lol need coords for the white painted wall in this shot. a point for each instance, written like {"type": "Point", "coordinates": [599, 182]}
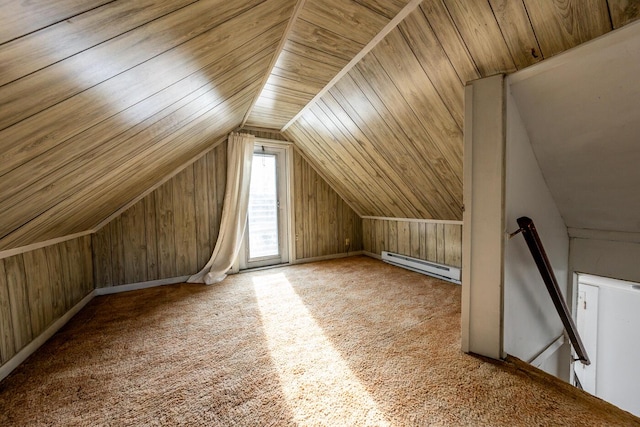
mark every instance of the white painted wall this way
{"type": "Point", "coordinates": [531, 322]}
{"type": "Point", "coordinates": [483, 218]}
{"type": "Point", "coordinates": [582, 114]}
{"type": "Point", "coordinates": [605, 257]}
{"type": "Point", "coordinates": [617, 370]}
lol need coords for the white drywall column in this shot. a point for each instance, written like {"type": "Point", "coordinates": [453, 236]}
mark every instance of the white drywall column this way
{"type": "Point", "coordinates": [531, 322]}
{"type": "Point", "coordinates": [483, 218]}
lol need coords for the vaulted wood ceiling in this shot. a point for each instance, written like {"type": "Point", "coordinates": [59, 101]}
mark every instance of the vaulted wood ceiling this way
{"type": "Point", "coordinates": [101, 99]}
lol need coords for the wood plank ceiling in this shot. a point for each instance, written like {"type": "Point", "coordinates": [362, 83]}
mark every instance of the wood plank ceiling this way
{"type": "Point", "coordinates": [101, 99]}
{"type": "Point", "coordinates": [388, 134]}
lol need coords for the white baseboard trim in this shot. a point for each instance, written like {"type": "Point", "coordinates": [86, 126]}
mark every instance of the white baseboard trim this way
{"type": "Point", "coordinates": [548, 352]}
{"type": "Point", "coordinates": [327, 257]}
{"type": "Point", "coordinates": [372, 255]}
{"type": "Point", "coordinates": [37, 342]}
{"type": "Point", "coordinates": [30, 348]}
{"type": "Point", "coordinates": [140, 285]}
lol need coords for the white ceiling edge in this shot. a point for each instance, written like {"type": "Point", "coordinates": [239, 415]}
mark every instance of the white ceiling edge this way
{"type": "Point", "coordinates": [591, 47]}
{"type": "Point", "coordinates": [615, 236]}
{"type": "Point", "coordinates": [581, 110]}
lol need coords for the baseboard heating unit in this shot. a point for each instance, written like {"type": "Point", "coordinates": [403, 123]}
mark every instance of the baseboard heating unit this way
{"type": "Point", "coordinates": [441, 271]}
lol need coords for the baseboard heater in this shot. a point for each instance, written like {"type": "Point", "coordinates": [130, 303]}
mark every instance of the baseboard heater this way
{"type": "Point", "coordinates": [441, 271]}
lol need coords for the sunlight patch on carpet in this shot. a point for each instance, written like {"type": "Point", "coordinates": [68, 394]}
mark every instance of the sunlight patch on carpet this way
{"type": "Point", "coordinates": [317, 383]}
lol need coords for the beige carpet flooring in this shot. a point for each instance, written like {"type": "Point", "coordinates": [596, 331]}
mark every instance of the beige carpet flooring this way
{"type": "Point", "coordinates": [351, 342]}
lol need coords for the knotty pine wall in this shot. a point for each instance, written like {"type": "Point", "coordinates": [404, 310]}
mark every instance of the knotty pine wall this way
{"type": "Point", "coordinates": [38, 287]}
{"type": "Point", "coordinates": [427, 240]}
{"type": "Point", "coordinates": [172, 231]}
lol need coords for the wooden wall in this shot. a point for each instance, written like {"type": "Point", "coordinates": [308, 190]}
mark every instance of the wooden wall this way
{"type": "Point", "coordinates": [323, 220]}
{"type": "Point", "coordinates": [170, 232]}
{"type": "Point", "coordinates": [326, 35]}
{"type": "Point", "coordinates": [388, 133]}
{"type": "Point", "coordinates": [100, 101]}
{"type": "Point", "coordinates": [430, 241]}
{"type": "Point", "coordinates": [38, 287]}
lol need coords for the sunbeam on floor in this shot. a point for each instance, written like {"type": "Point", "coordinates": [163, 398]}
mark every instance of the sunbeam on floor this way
{"type": "Point", "coordinates": [318, 385]}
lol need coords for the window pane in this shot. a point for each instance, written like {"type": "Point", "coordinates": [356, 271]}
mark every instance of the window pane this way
{"type": "Point", "coordinates": [263, 207]}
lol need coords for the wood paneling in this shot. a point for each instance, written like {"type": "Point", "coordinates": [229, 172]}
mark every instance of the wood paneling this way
{"type": "Point", "coordinates": [517, 31]}
{"type": "Point", "coordinates": [66, 38]}
{"type": "Point", "coordinates": [38, 287]}
{"type": "Point", "coordinates": [385, 138]}
{"type": "Point", "coordinates": [323, 220]}
{"type": "Point", "coordinates": [101, 100]}
{"type": "Point", "coordinates": [429, 241]}
{"type": "Point", "coordinates": [172, 231]}
{"type": "Point", "coordinates": [624, 11]}
{"type": "Point", "coordinates": [449, 37]}
{"type": "Point", "coordinates": [322, 41]}
{"type": "Point", "coordinates": [7, 343]}
{"type": "Point", "coordinates": [117, 114]}
{"type": "Point", "coordinates": [479, 30]}
{"type": "Point", "coordinates": [169, 233]}
{"type": "Point", "coordinates": [388, 134]}
{"type": "Point", "coordinates": [561, 25]}
{"type": "Point", "coordinates": [22, 17]}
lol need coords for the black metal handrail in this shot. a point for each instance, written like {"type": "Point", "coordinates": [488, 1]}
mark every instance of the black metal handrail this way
{"type": "Point", "coordinates": [528, 230]}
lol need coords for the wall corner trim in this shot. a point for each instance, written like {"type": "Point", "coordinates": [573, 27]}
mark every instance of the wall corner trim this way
{"type": "Point", "coordinates": [36, 343]}
{"type": "Point", "coordinates": [140, 285]}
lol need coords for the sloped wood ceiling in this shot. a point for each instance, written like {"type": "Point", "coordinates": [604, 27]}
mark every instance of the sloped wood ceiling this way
{"type": "Point", "coordinates": [326, 35]}
{"type": "Point", "coordinates": [388, 135]}
{"type": "Point", "coordinates": [101, 99]}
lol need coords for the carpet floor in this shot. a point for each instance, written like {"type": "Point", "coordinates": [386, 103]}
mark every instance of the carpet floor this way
{"type": "Point", "coordinates": [350, 342]}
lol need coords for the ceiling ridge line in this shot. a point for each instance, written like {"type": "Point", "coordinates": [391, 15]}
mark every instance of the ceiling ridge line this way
{"type": "Point", "coordinates": [276, 55]}
{"type": "Point", "coordinates": [410, 7]}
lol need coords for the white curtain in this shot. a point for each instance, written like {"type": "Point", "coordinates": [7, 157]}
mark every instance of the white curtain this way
{"type": "Point", "coordinates": [234, 210]}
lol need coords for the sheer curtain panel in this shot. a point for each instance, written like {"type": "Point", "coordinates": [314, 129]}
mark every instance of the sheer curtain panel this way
{"type": "Point", "coordinates": [234, 210]}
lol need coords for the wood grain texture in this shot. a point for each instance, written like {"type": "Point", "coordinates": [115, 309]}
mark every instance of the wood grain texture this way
{"type": "Point", "coordinates": [322, 41]}
{"type": "Point", "coordinates": [101, 100]}
{"type": "Point", "coordinates": [479, 30]}
{"type": "Point", "coordinates": [7, 344]}
{"type": "Point", "coordinates": [56, 280]}
{"type": "Point", "coordinates": [38, 50]}
{"type": "Point", "coordinates": [185, 222]}
{"type": "Point", "coordinates": [183, 77]}
{"type": "Point", "coordinates": [517, 31]}
{"type": "Point", "coordinates": [449, 37]}
{"type": "Point", "coordinates": [202, 210]}
{"type": "Point", "coordinates": [38, 290]}
{"type": "Point", "coordinates": [388, 8]}
{"type": "Point", "coordinates": [134, 243]}
{"type": "Point", "coordinates": [154, 42]}
{"type": "Point", "coordinates": [190, 203]}
{"type": "Point", "coordinates": [169, 232]}
{"type": "Point", "coordinates": [101, 254]}
{"type": "Point", "coordinates": [560, 24]}
{"type": "Point", "coordinates": [22, 17]}
{"type": "Point", "coordinates": [134, 174]}
{"type": "Point", "coordinates": [624, 12]}
{"type": "Point", "coordinates": [434, 60]}
{"type": "Point", "coordinates": [385, 138]}
{"type": "Point", "coordinates": [429, 241]}
{"type": "Point", "coordinates": [38, 287]}
{"type": "Point", "coordinates": [19, 301]}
